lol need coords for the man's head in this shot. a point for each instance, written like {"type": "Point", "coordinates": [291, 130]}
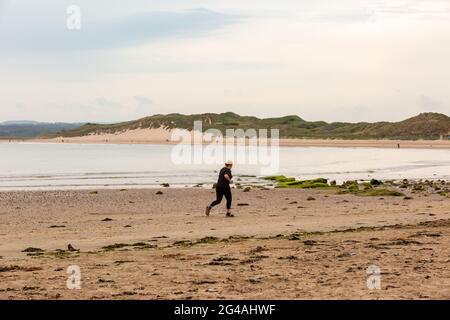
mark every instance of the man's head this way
{"type": "Point", "coordinates": [229, 164]}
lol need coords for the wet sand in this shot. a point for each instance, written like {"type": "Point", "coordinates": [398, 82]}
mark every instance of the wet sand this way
{"type": "Point", "coordinates": [141, 245]}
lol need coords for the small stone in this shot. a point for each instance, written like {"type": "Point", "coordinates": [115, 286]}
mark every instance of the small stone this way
{"type": "Point", "coordinates": [71, 248]}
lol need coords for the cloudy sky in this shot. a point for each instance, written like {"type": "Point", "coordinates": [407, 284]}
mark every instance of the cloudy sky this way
{"type": "Point", "coordinates": [346, 60]}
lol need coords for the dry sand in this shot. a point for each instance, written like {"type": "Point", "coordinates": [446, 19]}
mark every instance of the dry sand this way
{"type": "Point", "coordinates": [164, 136]}
{"type": "Point", "coordinates": [279, 246]}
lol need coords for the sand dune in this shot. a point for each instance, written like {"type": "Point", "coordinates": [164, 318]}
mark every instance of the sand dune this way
{"type": "Point", "coordinates": [164, 136]}
{"type": "Point", "coordinates": [150, 135]}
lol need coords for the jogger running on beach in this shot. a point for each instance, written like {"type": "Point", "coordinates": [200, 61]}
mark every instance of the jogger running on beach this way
{"type": "Point", "coordinates": [223, 189]}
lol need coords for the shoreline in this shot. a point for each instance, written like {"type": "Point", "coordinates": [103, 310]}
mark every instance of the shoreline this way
{"type": "Point", "coordinates": [261, 184]}
{"type": "Point", "coordinates": [329, 143]}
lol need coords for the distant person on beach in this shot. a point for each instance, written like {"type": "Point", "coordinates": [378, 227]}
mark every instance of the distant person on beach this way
{"type": "Point", "coordinates": [223, 189]}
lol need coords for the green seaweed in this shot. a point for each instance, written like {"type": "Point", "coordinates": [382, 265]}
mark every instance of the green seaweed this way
{"type": "Point", "coordinates": [137, 245]}
{"type": "Point", "coordinates": [381, 192]}
{"type": "Point", "coordinates": [207, 240]}
{"type": "Point", "coordinates": [279, 179]}
{"type": "Point", "coordinates": [31, 249]}
{"type": "Point", "coordinates": [285, 182]}
{"type": "Point", "coordinates": [370, 188]}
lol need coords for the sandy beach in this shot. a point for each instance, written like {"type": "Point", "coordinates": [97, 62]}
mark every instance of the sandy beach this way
{"type": "Point", "coordinates": [164, 136]}
{"type": "Point", "coordinates": [127, 128]}
{"type": "Point", "coordinates": [137, 244]}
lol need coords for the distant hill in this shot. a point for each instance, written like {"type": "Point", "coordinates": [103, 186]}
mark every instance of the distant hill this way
{"type": "Point", "coordinates": [427, 126]}
{"type": "Point", "coordinates": [13, 122]}
{"type": "Point", "coordinates": [29, 129]}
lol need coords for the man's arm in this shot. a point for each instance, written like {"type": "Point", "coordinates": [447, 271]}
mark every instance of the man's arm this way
{"type": "Point", "coordinates": [226, 176]}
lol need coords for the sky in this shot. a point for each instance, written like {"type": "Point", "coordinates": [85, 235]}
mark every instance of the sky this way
{"type": "Point", "coordinates": [332, 60]}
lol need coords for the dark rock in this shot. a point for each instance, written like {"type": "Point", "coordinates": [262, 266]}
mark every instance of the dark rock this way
{"type": "Point", "coordinates": [71, 248]}
{"type": "Point", "coordinates": [31, 249]}
{"type": "Point", "coordinates": [375, 182]}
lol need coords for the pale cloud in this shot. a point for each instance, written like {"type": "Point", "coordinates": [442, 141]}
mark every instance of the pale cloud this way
{"type": "Point", "coordinates": [428, 104]}
{"type": "Point", "coordinates": [105, 103]}
{"type": "Point", "coordinates": [143, 101]}
{"type": "Point", "coordinates": [113, 32]}
{"type": "Point", "coordinates": [346, 60]}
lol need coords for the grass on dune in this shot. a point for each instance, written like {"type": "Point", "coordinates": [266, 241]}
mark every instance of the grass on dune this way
{"type": "Point", "coordinates": [423, 126]}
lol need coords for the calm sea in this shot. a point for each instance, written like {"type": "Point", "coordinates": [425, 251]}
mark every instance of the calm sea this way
{"type": "Point", "coordinates": [25, 166]}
